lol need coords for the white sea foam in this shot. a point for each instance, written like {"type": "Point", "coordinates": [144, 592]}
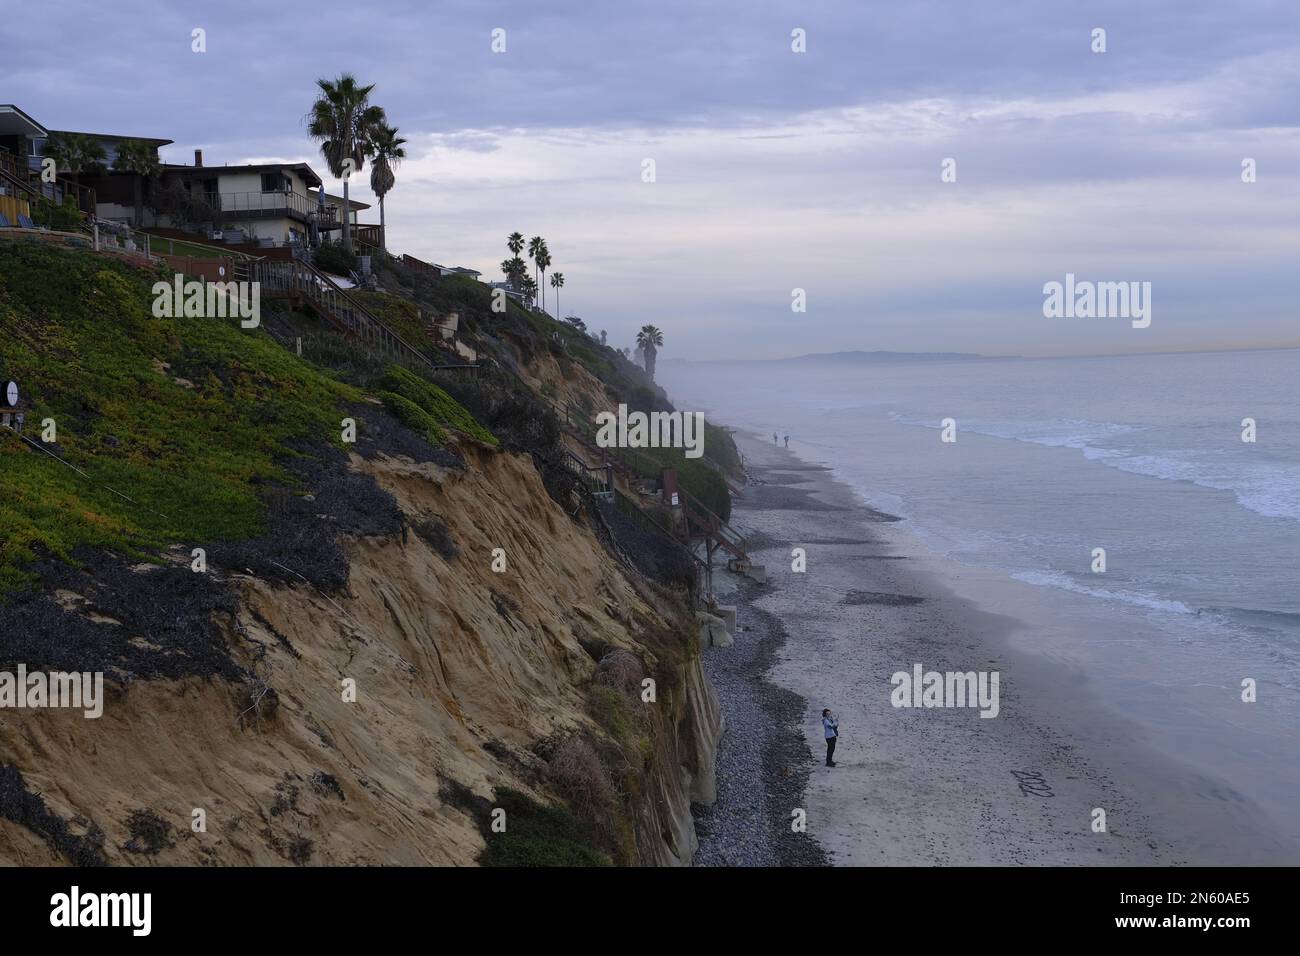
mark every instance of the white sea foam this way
{"type": "Point", "coordinates": [1056, 579]}
{"type": "Point", "coordinates": [1267, 488]}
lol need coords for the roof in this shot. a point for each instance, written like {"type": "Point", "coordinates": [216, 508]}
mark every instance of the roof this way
{"type": "Point", "coordinates": [302, 169]}
{"type": "Point", "coordinates": [353, 203]}
{"type": "Point", "coordinates": [14, 122]}
{"type": "Point", "coordinates": [151, 140]}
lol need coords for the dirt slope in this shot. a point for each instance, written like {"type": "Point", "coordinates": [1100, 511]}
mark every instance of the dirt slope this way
{"type": "Point", "coordinates": [462, 675]}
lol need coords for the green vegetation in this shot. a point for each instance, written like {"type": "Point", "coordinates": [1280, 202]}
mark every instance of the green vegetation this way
{"type": "Point", "coordinates": [649, 338]}
{"type": "Point", "coordinates": [161, 245]}
{"type": "Point", "coordinates": [609, 707]}
{"type": "Point", "coordinates": [186, 416]}
{"type": "Point", "coordinates": [137, 156]}
{"type": "Point", "coordinates": [693, 475]}
{"type": "Point", "coordinates": [74, 153]}
{"type": "Point", "coordinates": [345, 123]}
{"type": "Point", "coordinates": [414, 417]}
{"type": "Point", "coordinates": [399, 314]}
{"type": "Point", "coordinates": [62, 218]}
{"type": "Point", "coordinates": [333, 258]}
{"type": "Point", "coordinates": [720, 449]}
{"type": "Point", "coordinates": [436, 405]}
{"type": "Point", "coordinates": [697, 476]}
{"type": "Point", "coordinates": [388, 154]}
{"type": "Point", "coordinates": [538, 835]}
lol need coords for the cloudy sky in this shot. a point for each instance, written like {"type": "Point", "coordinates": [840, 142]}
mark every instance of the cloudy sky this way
{"type": "Point", "coordinates": [775, 170]}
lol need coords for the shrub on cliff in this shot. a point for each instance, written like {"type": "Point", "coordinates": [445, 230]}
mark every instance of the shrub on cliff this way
{"type": "Point", "coordinates": [433, 401]}
{"type": "Point", "coordinates": [535, 834]}
{"type": "Point", "coordinates": [334, 258]}
{"type": "Point", "coordinates": [413, 417]}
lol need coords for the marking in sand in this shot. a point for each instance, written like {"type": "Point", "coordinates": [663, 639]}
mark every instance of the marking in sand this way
{"type": "Point", "coordinates": [1032, 783]}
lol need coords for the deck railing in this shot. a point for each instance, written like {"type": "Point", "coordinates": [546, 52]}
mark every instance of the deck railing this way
{"type": "Point", "coordinates": [20, 179]}
{"type": "Point", "coordinates": [262, 204]}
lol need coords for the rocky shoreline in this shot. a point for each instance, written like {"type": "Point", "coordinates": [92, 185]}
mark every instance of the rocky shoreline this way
{"type": "Point", "coordinates": [763, 761]}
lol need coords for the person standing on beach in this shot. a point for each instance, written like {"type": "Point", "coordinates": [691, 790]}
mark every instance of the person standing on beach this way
{"type": "Point", "coordinates": [832, 728]}
{"type": "Point", "coordinates": [773, 438]}
{"type": "Point", "coordinates": [787, 441]}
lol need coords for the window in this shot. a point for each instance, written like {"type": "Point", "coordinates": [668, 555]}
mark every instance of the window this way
{"type": "Point", "coordinates": [275, 183]}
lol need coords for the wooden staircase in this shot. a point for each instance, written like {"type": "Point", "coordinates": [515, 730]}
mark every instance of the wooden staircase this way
{"type": "Point", "coordinates": [303, 283]}
{"type": "Point", "coordinates": [25, 183]}
{"type": "Point", "coordinates": [702, 525]}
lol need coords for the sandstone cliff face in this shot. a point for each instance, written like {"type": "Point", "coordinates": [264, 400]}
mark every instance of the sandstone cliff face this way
{"type": "Point", "coordinates": [461, 673]}
{"type": "Point", "coordinates": [665, 828]}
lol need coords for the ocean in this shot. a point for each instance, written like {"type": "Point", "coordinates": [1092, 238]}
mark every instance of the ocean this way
{"type": "Point", "coordinates": [1141, 456]}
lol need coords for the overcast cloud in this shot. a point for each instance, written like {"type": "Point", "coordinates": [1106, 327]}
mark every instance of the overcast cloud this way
{"type": "Point", "coordinates": [775, 170]}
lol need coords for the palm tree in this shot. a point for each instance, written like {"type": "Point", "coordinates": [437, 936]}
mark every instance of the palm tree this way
{"type": "Point", "coordinates": [138, 157]}
{"type": "Point", "coordinates": [543, 260]}
{"type": "Point", "coordinates": [529, 287]}
{"type": "Point", "coordinates": [516, 270]}
{"type": "Point", "coordinates": [557, 283]}
{"type": "Point", "coordinates": [648, 339]}
{"type": "Point", "coordinates": [515, 242]}
{"type": "Point", "coordinates": [388, 154]}
{"type": "Point", "coordinates": [75, 152]}
{"type": "Point", "coordinates": [535, 245]}
{"type": "Point", "coordinates": [344, 122]}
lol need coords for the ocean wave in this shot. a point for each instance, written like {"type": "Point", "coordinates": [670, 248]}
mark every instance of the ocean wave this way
{"type": "Point", "coordinates": [1266, 488]}
{"type": "Point", "coordinates": [1057, 579]}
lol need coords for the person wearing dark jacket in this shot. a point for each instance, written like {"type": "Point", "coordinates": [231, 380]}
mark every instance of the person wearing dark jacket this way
{"type": "Point", "coordinates": [831, 726]}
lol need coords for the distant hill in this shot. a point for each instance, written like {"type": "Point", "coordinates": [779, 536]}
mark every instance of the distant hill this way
{"type": "Point", "coordinates": [850, 358]}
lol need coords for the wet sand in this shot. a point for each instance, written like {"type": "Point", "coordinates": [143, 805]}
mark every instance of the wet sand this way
{"type": "Point", "coordinates": [928, 786]}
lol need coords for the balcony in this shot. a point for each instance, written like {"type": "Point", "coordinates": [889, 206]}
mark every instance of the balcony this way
{"type": "Point", "coordinates": [233, 207]}
{"type": "Point", "coordinates": [366, 236]}
{"type": "Point", "coordinates": [20, 179]}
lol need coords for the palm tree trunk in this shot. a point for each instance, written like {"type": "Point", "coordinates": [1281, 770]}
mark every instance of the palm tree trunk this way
{"type": "Point", "coordinates": [383, 236]}
{"type": "Point", "coordinates": [139, 200]}
{"type": "Point", "coordinates": [347, 216]}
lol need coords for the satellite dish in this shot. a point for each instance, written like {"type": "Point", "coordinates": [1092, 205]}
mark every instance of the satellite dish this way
{"type": "Point", "coordinates": [11, 394]}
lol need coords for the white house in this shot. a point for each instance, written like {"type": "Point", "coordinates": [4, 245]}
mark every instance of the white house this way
{"type": "Point", "coordinates": [270, 203]}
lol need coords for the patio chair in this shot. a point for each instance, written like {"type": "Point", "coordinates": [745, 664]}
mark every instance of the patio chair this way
{"type": "Point", "coordinates": [4, 223]}
{"type": "Point", "coordinates": [25, 222]}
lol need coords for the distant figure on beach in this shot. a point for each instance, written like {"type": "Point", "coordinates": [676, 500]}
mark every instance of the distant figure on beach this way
{"type": "Point", "coordinates": [773, 438]}
{"type": "Point", "coordinates": [787, 441]}
{"type": "Point", "coordinates": [832, 728]}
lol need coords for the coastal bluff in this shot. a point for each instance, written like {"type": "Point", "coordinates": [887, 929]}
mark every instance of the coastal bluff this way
{"type": "Point", "coordinates": [346, 613]}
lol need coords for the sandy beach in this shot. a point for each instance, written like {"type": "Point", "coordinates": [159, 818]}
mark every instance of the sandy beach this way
{"type": "Point", "coordinates": [923, 786]}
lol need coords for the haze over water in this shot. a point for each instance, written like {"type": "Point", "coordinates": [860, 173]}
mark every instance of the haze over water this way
{"type": "Point", "coordinates": [1140, 455]}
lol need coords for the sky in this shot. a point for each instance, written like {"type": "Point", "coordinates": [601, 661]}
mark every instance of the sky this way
{"type": "Point", "coordinates": [774, 170]}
